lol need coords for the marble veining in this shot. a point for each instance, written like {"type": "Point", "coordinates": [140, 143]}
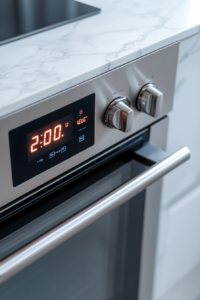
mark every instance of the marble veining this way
{"type": "Point", "coordinates": [41, 65]}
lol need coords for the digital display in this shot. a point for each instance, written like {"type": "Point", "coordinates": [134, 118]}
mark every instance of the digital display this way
{"type": "Point", "coordinates": [48, 137]}
{"type": "Point", "coordinates": [51, 139]}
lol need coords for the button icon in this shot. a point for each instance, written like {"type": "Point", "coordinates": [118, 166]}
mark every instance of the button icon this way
{"type": "Point", "coordinates": [52, 154]}
{"type": "Point", "coordinates": [81, 138]}
{"type": "Point", "coordinates": [63, 149]}
{"type": "Point", "coordinates": [40, 160]}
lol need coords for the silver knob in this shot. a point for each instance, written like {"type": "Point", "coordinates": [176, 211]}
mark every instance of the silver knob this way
{"type": "Point", "coordinates": [119, 115]}
{"type": "Point", "coordinates": [150, 100]}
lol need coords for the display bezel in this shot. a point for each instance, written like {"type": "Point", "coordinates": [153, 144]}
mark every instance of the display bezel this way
{"type": "Point", "coordinates": [22, 168]}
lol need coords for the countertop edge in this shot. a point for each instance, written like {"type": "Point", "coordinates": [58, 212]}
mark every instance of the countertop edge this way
{"type": "Point", "coordinates": [70, 83]}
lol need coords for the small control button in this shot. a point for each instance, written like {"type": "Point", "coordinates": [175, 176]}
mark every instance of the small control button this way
{"type": "Point", "coordinates": [81, 138]}
{"type": "Point", "coordinates": [40, 160]}
{"type": "Point", "coordinates": [63, 149]}
{"type": "Point", "coordinates": [52, 154]}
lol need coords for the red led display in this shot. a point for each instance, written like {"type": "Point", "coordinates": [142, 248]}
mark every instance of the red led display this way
{"type": "Point", "coordinates": [49, 137]}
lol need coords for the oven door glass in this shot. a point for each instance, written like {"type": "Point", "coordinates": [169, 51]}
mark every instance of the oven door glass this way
{"type": "Point", "coordinates": [100, 262]}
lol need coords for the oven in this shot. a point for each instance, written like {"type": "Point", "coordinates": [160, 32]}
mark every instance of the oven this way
{"type": "Point", "coordinates": [81, 181]}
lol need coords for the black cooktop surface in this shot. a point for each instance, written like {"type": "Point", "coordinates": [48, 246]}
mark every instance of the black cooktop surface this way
{"type": "Point", "coordinates": [20, 18]}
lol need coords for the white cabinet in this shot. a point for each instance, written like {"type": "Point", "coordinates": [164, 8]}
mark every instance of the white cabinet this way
{"type": "Point", "coordinates": [179, 242]}
{"type": "Point", "coordinates": [177, 274]}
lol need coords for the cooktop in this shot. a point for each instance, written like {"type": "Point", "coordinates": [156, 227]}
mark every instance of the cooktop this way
{"type": "Point", "coordinates": [20, 18]}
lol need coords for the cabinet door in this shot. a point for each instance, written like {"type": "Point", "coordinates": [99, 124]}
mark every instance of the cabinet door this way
{"type": "Point", "coordinates": [179, 244]}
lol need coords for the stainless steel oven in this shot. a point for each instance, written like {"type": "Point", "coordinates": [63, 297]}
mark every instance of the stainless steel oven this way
{"type": "Point", "coordinates": [79, 198]}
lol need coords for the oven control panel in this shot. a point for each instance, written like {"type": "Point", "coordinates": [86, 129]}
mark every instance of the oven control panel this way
{"type": "Point", "coordinates": [49, 140]}
{"type": "Point", "coordinates": [59, 134]}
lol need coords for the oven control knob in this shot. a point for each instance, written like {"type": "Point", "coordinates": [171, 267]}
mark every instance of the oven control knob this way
{"type": "Point", "coordinates": [119, 115]}
{"type": "Point", "coordinates": [150, 100]}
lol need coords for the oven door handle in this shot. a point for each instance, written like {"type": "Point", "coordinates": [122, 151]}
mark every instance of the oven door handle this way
{"type": "Point", "coordinates": [160, 163]}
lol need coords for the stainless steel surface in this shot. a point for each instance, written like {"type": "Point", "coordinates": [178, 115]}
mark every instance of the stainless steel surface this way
{"type": "Point", "coordinates": [158, 137]}
{"type": "Point", "coordinates": [119, 115]}
{"type": "Point", "coordinates": [33, 251]}
{"type": "Point", "coordinates": [150, 100]}
{"type": "Point", "coordinates": [126, 80]}
{"type": "Point", "coordinates": [26, 11]}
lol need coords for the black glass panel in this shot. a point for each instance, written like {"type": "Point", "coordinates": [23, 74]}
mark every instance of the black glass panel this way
{"type": "Point", "coordinates": [25, 17]}
{"type": "Point", "coordinates": [100, 262]}
{"type": "Point", "coordinates": [51, 139]}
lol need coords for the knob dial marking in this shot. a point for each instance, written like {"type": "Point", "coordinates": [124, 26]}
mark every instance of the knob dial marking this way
{"type": "Point", "coordinates": [150, 100]}
{"type": "Point", "coordinates": [119, 115]}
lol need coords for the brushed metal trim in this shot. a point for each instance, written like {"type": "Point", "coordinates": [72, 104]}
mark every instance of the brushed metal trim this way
{"type": "Point", "coordinates": [158, 134]}
{"type": "Point", "coordinates": [41, 246]}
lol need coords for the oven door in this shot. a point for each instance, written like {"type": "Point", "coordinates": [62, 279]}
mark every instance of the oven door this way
{"type": "Point", "coordinates": [92, 237]}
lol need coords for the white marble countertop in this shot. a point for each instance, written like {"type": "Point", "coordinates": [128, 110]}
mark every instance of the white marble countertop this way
{"type": "Point", "coordinates": [46, 63]}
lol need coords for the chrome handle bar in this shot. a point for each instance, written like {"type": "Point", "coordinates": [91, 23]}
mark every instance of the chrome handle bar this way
{"type": "Point", "coordinates": [44, 244]}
